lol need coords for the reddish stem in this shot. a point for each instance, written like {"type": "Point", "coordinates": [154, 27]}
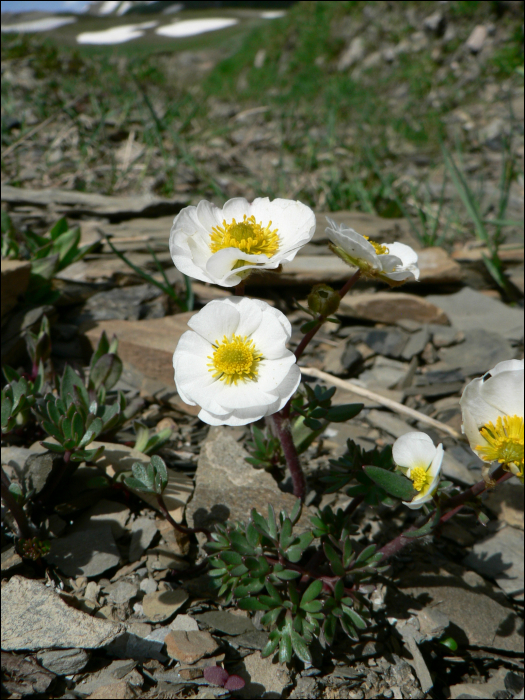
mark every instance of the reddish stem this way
{"type": "Point", "coordinates": [284, 433]}
{"type": "Point", "coordinates": [455, 504]}
{"type": "Point", "coordinates": [308, 337]}
{"type": "Point", "coordinates": [177, 526]}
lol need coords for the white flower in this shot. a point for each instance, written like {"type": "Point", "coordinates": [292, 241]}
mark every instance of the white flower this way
{"type": "Point", "coordinates": [223, 246]}
{"type": "Point", "coordinates": [420, 460]}
{"type": "Point", "coordinates": [394, 263]}
{"type": "Point", "coordinates": [492, 408]}
{"type": "Point", "coordinates": [234, 362]}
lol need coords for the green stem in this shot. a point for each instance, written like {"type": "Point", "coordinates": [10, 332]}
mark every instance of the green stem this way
{"type": "Point", "coordinates": [16, 509]}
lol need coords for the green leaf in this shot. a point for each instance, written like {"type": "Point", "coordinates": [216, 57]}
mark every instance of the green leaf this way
{"type": "Point", "coordinates": [58, 229]}
{"type": "Point", "coordinates": [271, 617]}
{"type": "Point", "coordinates": [161, 473]}
{"type": "Point", "coordinates": [285, 649]}
{"type": "Point", "coordinates": [314, 606]}
{"type": "Point", "coordinates": [106, 371]}
{"type": "Point", "coordinates": [313, 424]}
{"type": "Point", "coordinates": [392, 482]}
{"type": "Point", "coordinates": [53, 447]}
{"type": "Point", "coordinates": [270, 648]}
{"type": "Point", "coordinates": [449, 642]}
{"type": "Point", "coordinates": [366, 554]}
{"type": "Point", "coordinates": [329, 628]}
{"type": "Point", "coordinates": [7, 406]}
{"type": "Point", "coordinates": [272, 525]}
{"type": "Point", "coordinates": [300, 648]}
{"type": "Point", "coordinates": [252, 604]}
{"type": "Point", "coordinates": [356, 619]}
{"type": "Point", "coordinates": [133, 483]}
{"type": "Point", "coordinates": [296, 511]}
{"type": "Point", "coordinates": [232, 558]}
{"type": "Point", "coordinates": [347, 552]}
{"type": "Point", "coordinates": [286, 575]}
{"type": "Point", "coordinates": [313, 590]}
{"type": "Point", "coordinates": [306, 327]}
{"type": "Point", "coordinates": [339, 414]}
{"type": "Point", "coordinates": [286, 534]}
{"type": "Point", "coordinates": [335, 560]}
{"type": "Point", "coordinates": [239, 543]}
{"type": "Point", "coordinates": [252, 535]}
{"type": "Point", "coordinates": [259, 521]}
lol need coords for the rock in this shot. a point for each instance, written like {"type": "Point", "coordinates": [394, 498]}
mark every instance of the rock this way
{"type": "Point", "coordinates": [137, 646]}
{"type": "Point", "coordinates": [445, 336]}
{"type": "Point", "coordinates": [16, 457]}
{"type": "Point", "coordinates": [388, 422]}
{"type": "Point", "coordinates": [506, 502]}
{"type": "Point", "coordinates": [63, 662]}
{"type": "Point", "coordinates": [162, 605]}
{"type": "Point", "coordinates": [389, 342]}
{"type": "Point", "coordinates": [15, 278]}
{"type": "Point", "coordinates": [143, 530]}
{"type": "Point", "coordinates": [456, 470]}
{"type": "Point", "coordinates": [252, 640]}
{"type": "Point", "coordinates": [460, 598]}
{"type": "Point", "coordinates": [480, 351]}
{"type": "Point", "coordinates": [470, 310]}
{"type": "Point", "coordinates": [223, 621]}
{"type": "Point", "coordinates": [513, 682]}
{"type": "Point", "coordinates": [88, 551]}
{"type": "Point", "coordinates": [184, 623]}
{"type": "Point", "coordinates": [37, 469]}
{"type": "Point", "coordinates": [390, 307]}
{"type": "Point", "coordinates": [148, 585]}
{"type": "Point", "coordinates": [147, 345]}
{"type": "Point", "coordinates": [227, 487]}
{"type": "Point", "coordinates": [432, 623]}
{"type": "Point", "coordinates": [306, 687]}
{"type": "Point", "coordinates": [500, 557]}
{"type": "Point", "coordinates": [189, 647]}
{"type": "Point", "coordinates": [437, 267]}
{"type": "Point", "coordinates": [488, 689]}
{"type": "Point", "coordinates": [353, 54]}
{"type": "Point", "coordinates": [263, 677]}
{"type": "Point", "coordinates": [416, 343]}
{"type": "Point", "coordinates": [435, 23]}
{"type": "Point", "coordinates": [385, 373]}
{"type": "Point", "coordinates": [34, 617]}
{"type": "Point", "coordinates": [24, 677]}
{"type": "Point", "coordinates": [305, 270]}
{"type": "Point", "coordinates": [106, 512]}
{"type": "Point", "coordinates": [117, 690]}
{"type": "Point", "coordinates": [125, 303]}
{"type": "Point", "coordinates": [350, 358]}
{"type": "Point", "coordinates": [10, 559]}
{"type": "Point", "coordinates": [477, 38]}
{"type": "Point", "coordinates": [408, 633]}
{"type": "Point", "coordinates": [333, 360]}
{"type": "Point", "coordinates": [70, 202]}
{"type": "Point", "coordinates": [122, 592]}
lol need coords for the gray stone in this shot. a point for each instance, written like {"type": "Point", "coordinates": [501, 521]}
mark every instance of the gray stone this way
{"type": "Point", "coordinates": [453, 469]}
{"type": "Point", "coordinates": [480, 351]}
{"type": "Point", "coordinates": [223, 621]}
{"type": "Point", "coordinates": [252, 640]}
{"type": "Point", "coordinates": [477, 38]}
{"type": "Point", "coordinates": [134, 646]}
{"type": "Point", "coordinates": [263, 677]}
{"type": "Point", "coordinates": [184, 623]}
{"type": "Point", "coordinates": [388, 422]}
{"type": "Point", "coordinates": [408, 633]}
{"type": "Point", "coordinates": [148, 585]}
{"type": "Point", "coordinates": [37, 469]}
{"type": "Point", "coordinates": [228, 487]}
{"type": "Point", "coordinates": [470, 310]}
{"type": "Point", "coordinates": [461, 598]}
{"type": "Point", "coordinates": [416, 344]}
{"type": "Point", "coordinates": [488, 689]}
{"type": "Point", "coordinates": [143, 530]}
{"type": "Point", "coordinates": [444, 336]}
{"type": "Point", "coordinates": [16, 457]}
{"type": "Point", "coordinates": [122, 592]}
{"type": "Point", "coordinates": [353, 54]}
{"type": "Point", "coordinates": [387, 342]}
{"type": "Point", "coordinates": [162, 605]}
{"type": "Point", "coordinates": [506, 502]}
{"type": "Point", "coordinates": [351, 357]}
{"type": "Point", "coordinates": [63, 662]}
{"type": "Point", "coordinates": [500, 558]}
{"type": "Point", "coordinates": [10, 559]}
{"type": "Point", "coordinates": [384, 374]}
{"type": "Point", "coordinates": [126, 303]}
{"type": "Point", "coordinates": [85, 552]}
{"type": "Point", "coordinates": [107, 512]}
{"type": "Point", "coordinates": [435, 23]}
{"type": "Point", "coordinates": [305, 687]}
{"type": "Point", "coordinates": [34, 617]}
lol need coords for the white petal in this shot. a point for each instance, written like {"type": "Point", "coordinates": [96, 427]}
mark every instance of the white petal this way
{"type": "Point", "coordinates": [287, 388]}
{"type": "Point", "coordinates": [251, 316]}
{"type": "Point", "coordinates": [435, 467]}
{"type": "Point", "coordinates": [507, 366]}
{"type": "Point", "coordinates": [208, 216]}
{"type": "Point", "coordinates": [412, 450]}
{"type": "Point", "coordinates": [294, 221]}
{"type": "Point", "coordinates": [216, 320]}
{"type": "Point", "coordinates": [270, 338]}
{"type": "Point", "coordinates": [473, 401]}
{"type": "Point", "coordinates": [470, 429]}
{"type": "Point", "coordinates": [354, 245]}
{"type": "Point", "coordinates": [390, 263]}
{"type": "Point", "coordinates": [405, 253]}
{"type": "Point", "coordinates": [235, 208]}
{"type": "Point", "coordinates": [273, 372]}
{"type": "Point", "coordinates": [245, 394]}
{"type": "Point", "coordinates": [220, 264]}
{"type": "Point", "coordinates": [504, 391]}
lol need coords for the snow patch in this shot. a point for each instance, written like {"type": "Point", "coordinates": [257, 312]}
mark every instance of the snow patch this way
{"type": "Point", "coordinates": [191, 27]}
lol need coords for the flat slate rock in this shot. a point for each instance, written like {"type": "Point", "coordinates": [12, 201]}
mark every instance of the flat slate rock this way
{"type": "Point", "coordinates": [227, 487]}
{"type": "Point", "coordinates": [88, 551]}
{"type": "Point", "coordinates": [34, 617]}
{"type": "Point", "coordinates": [470, 310]}
{"type": "Point", "coordinates": [223, 621]}
{"type": "Point", "coordinates": [392, 307]}
{"type": "Point", "coordinates": [500, 558]}
{"type": "Point", "coordinates": [481, 350]}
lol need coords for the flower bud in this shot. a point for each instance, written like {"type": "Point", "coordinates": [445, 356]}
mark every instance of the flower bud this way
{"type": "Point", "coordinates": [323, 300]}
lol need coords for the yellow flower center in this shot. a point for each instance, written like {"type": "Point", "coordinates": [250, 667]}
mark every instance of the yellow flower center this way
{"type": "Point", "coordinates": [421, 478]}
{"type": "Point", "coordinates": [233, 359]}
{"type": "Point", "coordinates": [248, 236]}
{"type": "Point", "coordinates": [379, 249]}
{"type": "Point", "coordinates": [505, 441]}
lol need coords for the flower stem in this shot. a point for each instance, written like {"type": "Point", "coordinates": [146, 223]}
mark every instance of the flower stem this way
{"type": "Point", "coordinates": [239, 289]}
{"type": "Point", "coordinates": [177, 526]}
{"type": "Point", "coordinates": [308, 337]}
{"type": "Point", "coordinates": [454, 505]}
{"type": "Point", "coordinates": [16, 509]}
{"type": "Point", "coordinates": [284, 433]}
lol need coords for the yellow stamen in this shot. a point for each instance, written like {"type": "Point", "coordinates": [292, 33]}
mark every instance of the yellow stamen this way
{"type": "Point", "coordinates": [421, 478]}
{"type": "Point", "coordinates": [248, 236]}
{"type": "Point", "coordinates": [505, 441]}
{"type": "Point", "coordinates": [233, 359]}
{"type": "Point", "coordinates": [379, 249]}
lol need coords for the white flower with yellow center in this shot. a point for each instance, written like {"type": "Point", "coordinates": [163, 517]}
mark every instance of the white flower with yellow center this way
{"type": "Point", "coordinates": [393, 263]}
{"type": "Point", "coordinates": [420, 460]}
{"type": "Point", "coordinates": [223, 246]}
{"type": "Point", "coordinates": [492, 408]}
{"type": "Point", "coordinates": [234, 362]}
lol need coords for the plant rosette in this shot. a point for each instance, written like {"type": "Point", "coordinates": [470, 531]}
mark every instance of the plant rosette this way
{"type": "Point", "coordinates": [420, 460]}
{"type": "Point", "coordinates": [234, 362]}
{"type": "Point", "coordinates": [394, 263]}
{"type": "Point", "coordinates": [223, 246]}
{"type": "Point", "coordinates": [492, 408]}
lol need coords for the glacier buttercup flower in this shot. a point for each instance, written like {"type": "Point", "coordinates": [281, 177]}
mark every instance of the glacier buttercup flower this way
{"type": "Point", "coordinates": [393, 263]}
{"type": "Point", "coordinates": [234, 362]}
{"type": "Point", "coordinates": [420, 460]}
{"type": "Point", "coordinates": [492, 408]}
{"type": "Point", "coordinates": [223, 246]}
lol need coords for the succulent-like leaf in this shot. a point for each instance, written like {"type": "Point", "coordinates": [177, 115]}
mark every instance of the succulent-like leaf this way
{"type": "Point", "coordinates": [392, 482]}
